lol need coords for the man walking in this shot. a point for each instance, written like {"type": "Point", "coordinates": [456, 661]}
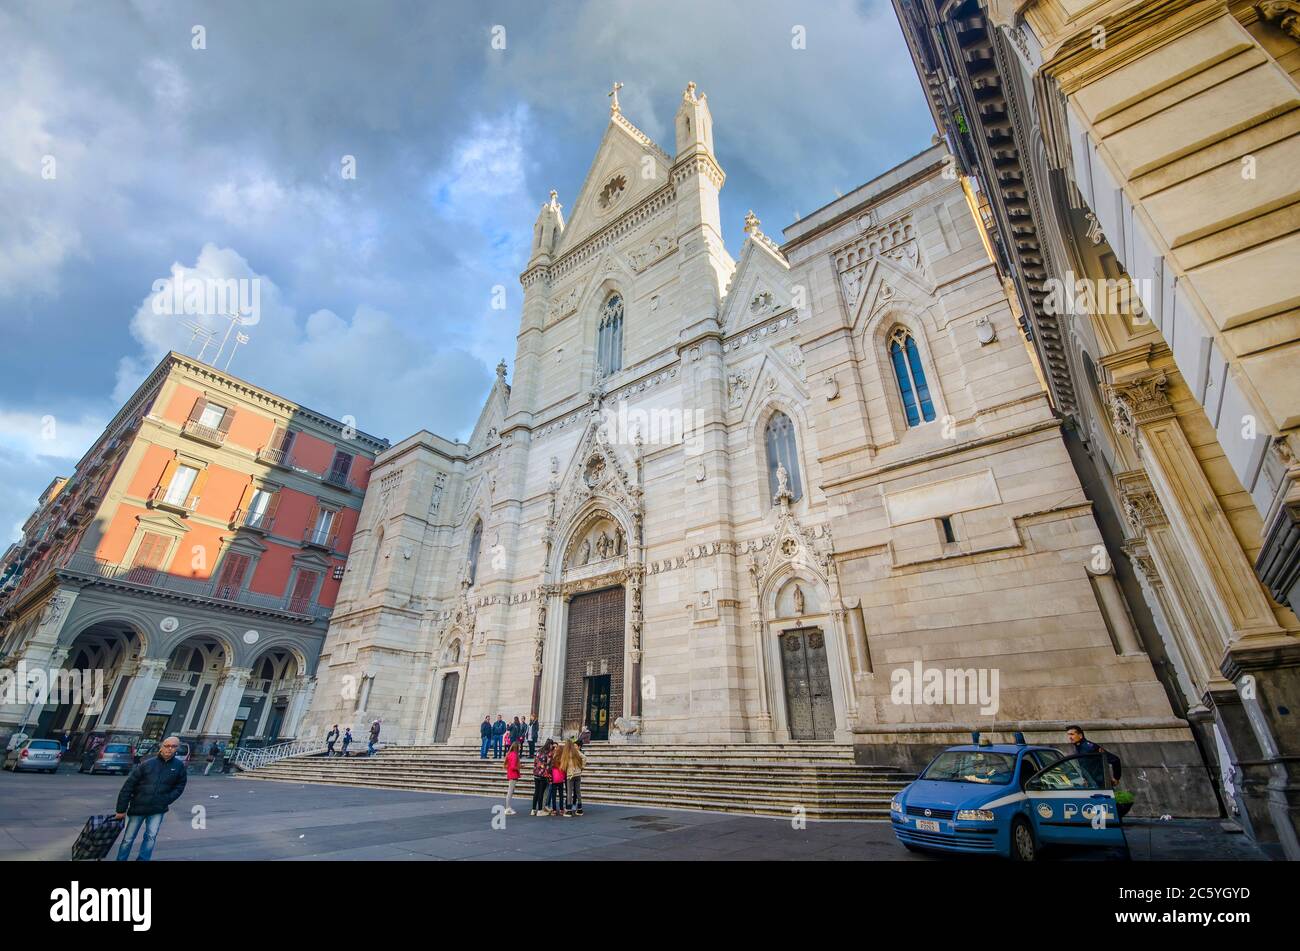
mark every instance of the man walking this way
{"type": "Point", "coordinates": [374, 738]}
{"type": "Point", "coordinates": [498, 737]}
{"type": "Point", "coordinates": [485, 734]}
{"type": "Point", "coordinates": [347, 739]}
{"type": "Point", "coordinates": [331, 738]}
{"type": "Point", "coordinates": [150, 788]}
{"type": "Point", "coordinates": [1083, 745]}
{"type": "Point", "coordinates": [213, 752]}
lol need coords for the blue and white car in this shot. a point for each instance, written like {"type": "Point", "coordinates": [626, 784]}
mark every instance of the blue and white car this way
{"type": "Point", "coordinates": [1010, 800]}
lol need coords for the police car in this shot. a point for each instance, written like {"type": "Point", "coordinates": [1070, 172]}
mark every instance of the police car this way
{"type": "Point", "coordinates": [1010, 800]}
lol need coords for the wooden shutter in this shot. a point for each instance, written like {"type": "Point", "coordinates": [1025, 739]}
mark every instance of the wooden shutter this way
{"type": "Point", "coordinates": [277, 436]}
{"type": "Point", "coordinates": [286, 440]}
{"type": "Point", "coordinates": [268, 516]}
{"type": "Point", "coordinates": [165, 480]}
{"type": "Point", "coordinates": [232, 575]}
{"type": "Point", "coordinates": [245, 501]}
{"type": "Point", "coordinates": [199, 406]}
{"type": "Point", "coordinates": [310, 531]}
{"type": "Point", "coordinates": [151, 551]}
{"type": "Point", "coordinates": [305, 584]}
{"type": "Point", "coordinates": [227, 418]}
{"type": "Point", "coordinates": [196, 490]}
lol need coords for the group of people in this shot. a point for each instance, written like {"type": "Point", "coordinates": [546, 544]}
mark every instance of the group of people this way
{"type": "Point", "coordinates": [499, 735]}
{"type": "Point", "coordinates": [557, 776]}
{"type": "Point", "coordinates": [332, 737]}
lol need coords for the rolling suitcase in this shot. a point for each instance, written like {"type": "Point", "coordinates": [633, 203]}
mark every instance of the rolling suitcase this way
{"type": "Point", "coordinates": [97, 838]}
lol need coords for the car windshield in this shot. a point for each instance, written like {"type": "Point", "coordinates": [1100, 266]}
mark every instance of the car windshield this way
{"type": "Point", "coordinates": [117, 748]}
{"type": "Point", "coordinates": [44, 744]}
{"type": "Point", "coordinates": [971, 766]}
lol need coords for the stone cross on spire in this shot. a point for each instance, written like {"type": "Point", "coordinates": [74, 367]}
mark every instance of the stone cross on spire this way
{"type": "Point", "coordinates": [752, 223]}
{"type": "Point", "coordinates": [613, 97]}
{"type": "Point", "coordinates": [501, 367]}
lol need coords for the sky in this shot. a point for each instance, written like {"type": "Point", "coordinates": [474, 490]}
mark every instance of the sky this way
{"type": "Point", "coordinates": [143, 141]}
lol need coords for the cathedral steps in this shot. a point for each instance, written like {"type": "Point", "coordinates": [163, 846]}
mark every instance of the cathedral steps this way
{"type": "Point", "coordinates": [822, 780]}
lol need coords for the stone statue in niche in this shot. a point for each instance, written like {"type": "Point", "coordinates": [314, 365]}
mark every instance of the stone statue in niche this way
{"type": "Point", "coordinates": [584, 555]}
{"type": "Point", "coordinates": [798, 601]}
{"type": "Point", "coordinates": [604, 545]}
{"type": "Point", "coordinates": [782, 482]}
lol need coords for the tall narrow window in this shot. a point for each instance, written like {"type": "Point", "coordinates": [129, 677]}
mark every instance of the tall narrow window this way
{"type": "Point", "coordinates": [912, 386]}
{"type": "Point", "coordinates": [232, 576]}
{"type": "Point", "coordinates": [475, 542]}
{"type": "Point", "coordinates": [782, 452]}
{"type": "Point", "coordinates": [149, 557]}
{"type": "Point", "coordinates": [178, 490]}
{"type": "Point", "coordinates": [609, 339]}
{"type": "Point", "coordinates": [304, 587]}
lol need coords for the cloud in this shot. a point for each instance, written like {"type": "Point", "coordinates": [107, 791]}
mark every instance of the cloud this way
{"type": "Point", "coordinates": [367, 366]}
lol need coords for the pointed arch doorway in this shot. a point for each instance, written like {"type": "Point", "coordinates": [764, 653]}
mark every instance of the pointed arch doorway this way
{"type": "Point", "coordinates": [593, 662]}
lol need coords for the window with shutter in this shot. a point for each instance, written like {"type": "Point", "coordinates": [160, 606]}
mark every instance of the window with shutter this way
{"type": "Point", "coordinates": [150, 556]}
{"type": "Point", "coordinates": [231, 579]}
{"type": "Point", "coordinates": [303, 588]}
{"type": "Point", "coordinates": [178, 490]}
{"type": "Point", "coordinates": [338, 473]}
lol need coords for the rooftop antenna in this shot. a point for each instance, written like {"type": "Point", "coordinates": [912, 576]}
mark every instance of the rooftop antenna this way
{"type": "Point", "coordinates": [239, 339]}
{"type": "Point", "coordinates": [197, 330]}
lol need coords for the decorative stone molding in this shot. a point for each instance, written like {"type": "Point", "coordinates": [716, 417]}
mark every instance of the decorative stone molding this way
{"type": "Point", "coordinates": [1142, 509]}
{"type": "Point", "coordinates": [1138, 401]}
{"type": "Point", "coordinates": [1283, 14]}
{"type": "Point", "coordinates": [652, 252]}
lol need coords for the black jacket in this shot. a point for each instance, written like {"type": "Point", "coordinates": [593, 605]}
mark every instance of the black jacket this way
{"type": "Point", "coordinates": [485, 729]}
{"type": "Point", "coordinates": [532, 730]}
{"type": "Point", "coordinates": [152, 786]}
{"type": "Point", "coordinates": [499, 728]}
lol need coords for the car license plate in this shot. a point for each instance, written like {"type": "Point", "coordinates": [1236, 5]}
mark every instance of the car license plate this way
{"type": "Point", "coordinates": [927, 825]}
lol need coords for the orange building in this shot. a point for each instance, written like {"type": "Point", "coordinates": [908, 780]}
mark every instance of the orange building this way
{"type": "Point", "coordinates": [194, 557]}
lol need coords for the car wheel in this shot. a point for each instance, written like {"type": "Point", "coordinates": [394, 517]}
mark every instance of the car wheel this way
{"type": "Point", "coordinates": [1023, 846]}
{"type": "Point", "coordinates": [913, 848]}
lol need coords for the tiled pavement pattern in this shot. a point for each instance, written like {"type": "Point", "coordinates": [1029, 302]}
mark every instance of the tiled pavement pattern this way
{"type": "Point", "coordinates": [40, 817]}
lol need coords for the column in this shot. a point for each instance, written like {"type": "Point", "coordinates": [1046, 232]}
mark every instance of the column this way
{"type": "Point", "coordinates": [134, 707]}
{"type": "Point", "coordinates": [230, 693]}
{"type": "Point", "coordinates": [304, 689]}
{"type": "Point", "coordinates": [1112, 602]}
{"type": "Point", "coordinates": [1142, 410]}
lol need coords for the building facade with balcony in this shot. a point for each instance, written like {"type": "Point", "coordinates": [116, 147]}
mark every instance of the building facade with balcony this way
{"type": "Point", "coordinates": [1137, 166]}
{"type": "Point", "coordinates": [193, 557]}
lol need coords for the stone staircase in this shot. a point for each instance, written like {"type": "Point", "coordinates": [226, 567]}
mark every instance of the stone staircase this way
{"type": "Point", "coordinates": [754, 779]}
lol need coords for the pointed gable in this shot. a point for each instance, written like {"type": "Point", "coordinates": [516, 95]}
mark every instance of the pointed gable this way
{"type": "Point", "coordinates": [627, 168]}
{"type": "Point", "coordinates": [489, 423]}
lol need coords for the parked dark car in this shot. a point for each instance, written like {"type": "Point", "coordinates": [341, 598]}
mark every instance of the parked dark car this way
{"type": "Point", "coordinates": [113, 758]}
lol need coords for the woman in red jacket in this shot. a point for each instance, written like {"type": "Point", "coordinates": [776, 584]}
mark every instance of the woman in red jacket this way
{"type": "Point", "coordinates": [512, 774]}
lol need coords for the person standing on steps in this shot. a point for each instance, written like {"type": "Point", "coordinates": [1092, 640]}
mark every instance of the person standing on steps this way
{"type": "Point", "coordinates": [374, 738]}
{"type": "Point", "coordinates": [347, 739]}
{"type": "Point", "coordinates": [541, 777]}
{"type": "Point", "coordinates": [498, 736]}
{"type": "Point", "coordinates": [512, 775]}
{"type": "Point", "coordinates": [558, 767]}
{"type": "Point", "coordinates": [331, 738]}
{"type": "Point", "coordinates": [485, 734]}
{"type": "Point", "coordinates": [585, 736]}
{"type": "Point", "coordinates": [577, 761]}
{"type": "Point", "coordinates": [532, 738]}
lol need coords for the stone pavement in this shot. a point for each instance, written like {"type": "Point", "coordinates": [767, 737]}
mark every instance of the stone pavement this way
{"type": "Point", "coordinates": [40, 817]}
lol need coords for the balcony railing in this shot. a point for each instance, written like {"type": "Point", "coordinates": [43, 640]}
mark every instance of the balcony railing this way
{"type": "Point", "coordinates": [208, 434]}
{"type": "Point", "coordinates": [158, 499]}
{"type": "Point", "coordinates": [273, 457]}
{"type": "Point", "coordinates": [258, 521]}
{"type": "Point", "coordinates": [337, 478]}
{"type": "Point", "coordinates": [85, 564]}
{"type": "Point", "coordinates": [320, 538]}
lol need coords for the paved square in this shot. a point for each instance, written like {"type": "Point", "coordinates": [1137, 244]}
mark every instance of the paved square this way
{"type": "Point", "coordinates": [40, 817]}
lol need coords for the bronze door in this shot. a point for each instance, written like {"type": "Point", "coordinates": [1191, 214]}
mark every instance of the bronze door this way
{"type": "Point", "coordinates": [446, 707]}
{"type": "Point", "coordinates": [594, 648]}
{"type": "Point", "coordinates": [808, 704]}
{"type": "Point", "coordinates": [598, 712]}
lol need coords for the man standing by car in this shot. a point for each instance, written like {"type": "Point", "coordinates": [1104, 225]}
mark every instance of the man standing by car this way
{"type": "Point", "coordinates": [1083, 745]}
{"type": "Point", "coordinates": [147, 793]}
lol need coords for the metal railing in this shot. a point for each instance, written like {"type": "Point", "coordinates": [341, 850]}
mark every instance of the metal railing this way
{"type": "Point", "coordinates": [254, 758]}
{"type": "Point", "coordinates": [84, 563]}
{"type": "Point", "coordinates": [207, 433]}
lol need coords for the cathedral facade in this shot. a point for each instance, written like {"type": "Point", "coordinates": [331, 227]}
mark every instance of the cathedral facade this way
{"type": "Point", "coordinates": [816, 493]}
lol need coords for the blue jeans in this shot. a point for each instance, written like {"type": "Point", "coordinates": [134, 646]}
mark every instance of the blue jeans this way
{"type": "Point", "coordinates": [370, 748]}
{"type": "Point", "coordinates": [150, 824]}
{"type": "Point", "coordinates": [497, 742]}
{"type": "Point", "coordinates": [487, 741]}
